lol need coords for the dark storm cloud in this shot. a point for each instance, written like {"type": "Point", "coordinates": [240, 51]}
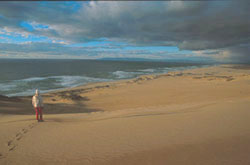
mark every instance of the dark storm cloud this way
{"type": "Point", "coordinates": [240, 53]}
{"type": "Point", "coordinates": [190, 25]}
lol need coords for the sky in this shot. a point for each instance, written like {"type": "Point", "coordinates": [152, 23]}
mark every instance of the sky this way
{"type": "Point", "coordinates": [177, 30]}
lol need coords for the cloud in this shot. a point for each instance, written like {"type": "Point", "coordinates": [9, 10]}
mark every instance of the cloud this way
{"type": "Point", "coordinates": [239, 53]}
{"type": "Point", "coordinates": [60, 50]}
{"type": "Point", "coordinates": [47, 49]}
{"type": "Point", "coordinates": [190, 25]}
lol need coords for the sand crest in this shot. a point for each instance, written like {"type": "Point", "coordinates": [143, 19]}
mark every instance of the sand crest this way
{"type": "Point", "coordinates": [197, 116]}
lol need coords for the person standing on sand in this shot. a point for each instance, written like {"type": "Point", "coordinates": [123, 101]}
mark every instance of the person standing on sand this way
{"type": "Point", "coordinates": [37, 103]}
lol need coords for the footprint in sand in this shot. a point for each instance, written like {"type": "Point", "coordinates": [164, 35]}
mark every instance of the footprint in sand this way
{"type": "Point", "coordinates": [18, 134]}
{"type": "Point", "coordinates": [31, 126]}
{"type": "Point", "coordinates": [19, 138]}
{"type": "Point", "coordinates": [12, 148]}
{"type": "Point", "coordinates": [24, 130]}
{"type": "Point", "coordinates": [9, 142]}
{"type": "Point", "coordinates": [1, 156]}
{"type": "Point", "coordinates": [12, 144]}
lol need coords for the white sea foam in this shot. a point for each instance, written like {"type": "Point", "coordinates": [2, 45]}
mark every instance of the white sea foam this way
{"type": "Point", "coordinates": [6, 86]}
{"type": "Point", "coordinates": [125, 75]}
{"type": "Point", "coordinates": [32, 79]}
{"type": "Point", "coordinates": [27, 92]}
{"type": "Point", "coordinates": [21, 87]}
{"type": "Point", "coordinates": [148, 70]}
{"type": "Point", "coordinates": [70, 81]}
{"type": "Point", "coordinates": [27, 86]}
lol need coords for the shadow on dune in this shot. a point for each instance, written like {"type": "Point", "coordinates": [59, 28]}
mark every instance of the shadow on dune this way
{"type": "Point", "coordinates": [22, 106]}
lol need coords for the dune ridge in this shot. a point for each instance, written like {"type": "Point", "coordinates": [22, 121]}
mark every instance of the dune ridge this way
{"type": "Point", "coordinates": [196, 116]}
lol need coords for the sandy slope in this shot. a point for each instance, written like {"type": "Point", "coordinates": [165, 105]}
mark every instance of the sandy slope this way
{"type": "Point", "coordinates": [198, 116]}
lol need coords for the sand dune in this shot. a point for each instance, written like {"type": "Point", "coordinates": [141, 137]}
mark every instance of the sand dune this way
{"type": "Point", "coordinates": [198, 116]}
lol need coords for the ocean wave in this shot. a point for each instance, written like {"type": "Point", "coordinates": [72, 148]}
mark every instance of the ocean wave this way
{"type": "Point", "coordinates": [26, 87]}
{"type": "Point", "coordinates": [31, 79]}
{"type": "Point", "coordinates": [23, 93]}
{"type": "Point", "coordinates": [6, 87]}
{"type": "Point", "coordinates": [71, 81]}
{"type": "Point", "coordinates": [132, 74]}
{"type": "Point", "coordinates": [148, 70]}
{"type": "Point", "coordinates": [125, 74]}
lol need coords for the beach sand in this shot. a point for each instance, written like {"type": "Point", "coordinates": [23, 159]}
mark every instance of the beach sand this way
{"type": "Point", "coordinates": [196, 116]}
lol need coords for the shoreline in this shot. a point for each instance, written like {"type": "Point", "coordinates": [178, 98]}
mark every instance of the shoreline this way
{"type": "Point", "coordinates": [140, 78]}
{"type": "Point", "coordinates": [117, 80]}
{"type": "Point", "coordinates": [193, 116]}
{"type": "Point", "coordinates": [71, 94]}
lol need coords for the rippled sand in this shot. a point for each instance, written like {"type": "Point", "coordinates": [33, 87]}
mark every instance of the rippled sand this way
{"type": "Point", "coordinates": [198, 116]}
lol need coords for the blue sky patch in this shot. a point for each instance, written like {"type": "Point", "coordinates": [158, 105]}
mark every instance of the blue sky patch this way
{"type": "Point", "coordinates": [27, 26]}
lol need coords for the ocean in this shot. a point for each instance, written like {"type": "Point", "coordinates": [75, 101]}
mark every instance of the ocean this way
{"type": "Point", "coordinates": [21, 77]}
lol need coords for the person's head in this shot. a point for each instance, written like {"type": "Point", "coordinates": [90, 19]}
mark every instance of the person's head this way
{"type": "Point", "coordinates": [37, 92]}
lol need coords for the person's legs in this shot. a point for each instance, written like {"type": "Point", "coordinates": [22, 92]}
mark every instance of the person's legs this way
{"type": "Point", "coordinates": [37, 113]}
{"type": "Point", "coordinates": [41, 113]}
